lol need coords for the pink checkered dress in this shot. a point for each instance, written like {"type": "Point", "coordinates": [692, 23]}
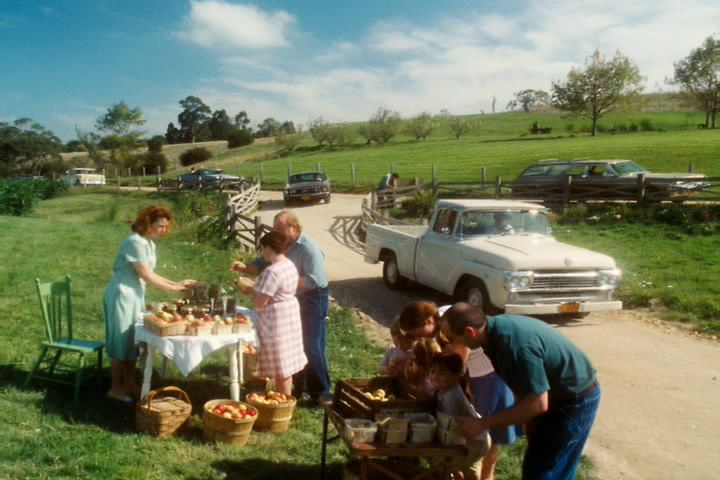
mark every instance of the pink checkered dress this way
{"type": "Point", "coordinates": [281, 346]}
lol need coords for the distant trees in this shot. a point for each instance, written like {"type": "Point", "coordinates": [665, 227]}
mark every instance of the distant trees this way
{"type": "Point", "coordinates": [267, 128]}
{"type": "Point", "coordinates": [382, 126]}
{"type": "Point", "coordinates": [599, 88]}
{"type": "Point", "coordinates": [220, 125]}
{"type": "Point", "coordinates": [288, 138]}
{"type": "Point", "coordinates": [338, 134]}
{"type": "Point", "coordinates": [698, 76]}
{"type": "Point", "coordinates": [27, 146]}
{"type": "Point", "coordinates": [460, 126]}
{"type": "Point", "coordinates": [120, 123]}
{"type": "Point", "coordinates": [421, 125]}
{"type": "Point", "coordinates": [193, 119]}
{"type": "Point", "coordinates": [527, 99]}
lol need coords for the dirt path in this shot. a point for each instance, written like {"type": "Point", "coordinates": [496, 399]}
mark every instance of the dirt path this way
{"type": "Point", "coordinates": [660, 413]}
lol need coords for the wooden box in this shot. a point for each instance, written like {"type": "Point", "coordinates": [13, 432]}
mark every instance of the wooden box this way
{"type": "Point", "coordinates": [350, 398]}
{"type": "Point", "coordinates": [165, 329]}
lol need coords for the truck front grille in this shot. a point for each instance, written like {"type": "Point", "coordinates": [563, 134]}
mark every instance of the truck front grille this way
{"type": "Point", "coordinates": [564, 281]}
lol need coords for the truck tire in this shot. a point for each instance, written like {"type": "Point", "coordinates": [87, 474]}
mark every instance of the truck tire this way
{"type": "Point", "coordinates": [473, 291]}
{"type": "Point", "coordinates": [391, 274]}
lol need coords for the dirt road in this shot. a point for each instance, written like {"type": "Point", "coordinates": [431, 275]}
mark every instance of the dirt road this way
{"type": "Point", "coordinates": [660, 413]}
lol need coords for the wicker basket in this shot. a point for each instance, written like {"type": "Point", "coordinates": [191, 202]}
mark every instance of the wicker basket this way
{"type": "Point", "coordinates": [222, 329]}
{"type": "Point", "coordinates": [234, 432]}
{"type": "Point", "coordinates": [165, 329]}
{"type": "Point", "coordinates": [250, 366]}
{"type": "Point", "coordinates": [274, 418]}
{"type": "Point", "coordinates": [161, 415]}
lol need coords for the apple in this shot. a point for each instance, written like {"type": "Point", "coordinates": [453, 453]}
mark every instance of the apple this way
{"type": "Point", "coordinates": [190, 317]}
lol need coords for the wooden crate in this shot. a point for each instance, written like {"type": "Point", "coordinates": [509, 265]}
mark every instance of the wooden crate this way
{"type": "Point", "coordinates": [350, 400]}
{"type": "Point", "coordinates": [166, 329]}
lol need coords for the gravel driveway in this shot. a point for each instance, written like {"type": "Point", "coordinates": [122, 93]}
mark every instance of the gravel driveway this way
{"type": "Point", "coordinates": [660, 413]}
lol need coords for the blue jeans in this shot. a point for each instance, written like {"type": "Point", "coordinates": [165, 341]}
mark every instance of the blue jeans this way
{"type": "Point", "coordinates": [558, 438]}
{"type": "Point", "coordinates": [314, 378]}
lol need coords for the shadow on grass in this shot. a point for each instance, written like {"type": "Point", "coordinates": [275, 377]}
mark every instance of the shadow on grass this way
{"type": "Point", "coordinates": [263, 469]}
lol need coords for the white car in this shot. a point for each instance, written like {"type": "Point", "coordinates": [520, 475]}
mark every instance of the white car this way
{"type": "Point", "coordinates": [498, 255]}
{"type": "Point", "coordinates": [83, 176]}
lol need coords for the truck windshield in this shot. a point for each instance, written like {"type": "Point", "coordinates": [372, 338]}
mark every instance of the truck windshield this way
{"type": "Point", "coordinates": [503, 222]}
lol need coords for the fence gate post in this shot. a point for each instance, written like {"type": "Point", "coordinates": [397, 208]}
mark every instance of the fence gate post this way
{"type": "Point", "coordinates": [498, 185]}
{"type": "Point", "coordinates": [258, 232]}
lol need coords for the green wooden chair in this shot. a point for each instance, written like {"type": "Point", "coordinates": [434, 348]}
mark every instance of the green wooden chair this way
{"type": "Point", "coordinates": [56, 307]}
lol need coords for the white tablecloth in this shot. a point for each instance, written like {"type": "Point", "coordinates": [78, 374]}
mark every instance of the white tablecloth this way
{"type": "Point", "coordinates": [187, 351]}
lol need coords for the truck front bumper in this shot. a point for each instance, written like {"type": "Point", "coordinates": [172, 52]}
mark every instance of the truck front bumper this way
{"type": "Point", "coordinates": [567, 307]}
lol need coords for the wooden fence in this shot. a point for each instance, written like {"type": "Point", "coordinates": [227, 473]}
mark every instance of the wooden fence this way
{"type": "Point", "coordinates": [174, 185]}
{"type": "Point", "coordinates": [245, 229]}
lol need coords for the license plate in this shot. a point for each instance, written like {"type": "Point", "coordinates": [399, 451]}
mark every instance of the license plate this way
{"type": "Point", "coordinates": [569, 308]}
{"type": "Point", "coordinates": [306, 197]}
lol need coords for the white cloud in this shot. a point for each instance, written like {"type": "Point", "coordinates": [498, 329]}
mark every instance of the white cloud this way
{"type": "Point", "coordinates": [218, 24]}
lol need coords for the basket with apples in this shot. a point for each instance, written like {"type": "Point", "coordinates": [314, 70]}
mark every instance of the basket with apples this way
{"type": "Point", "coordinates": [222, 325]}
{"type": "Point", "coordinates": [165, 321]}
{"type": "Point", "coordinates": [228, 421]}
{"type": "Point", "coordinates": [275, 410]}
{"type": "Point", "coordinates": [250, 362]}
{"type": "Point", "coordinates": [200, 326]}
{"type": "Point", "coordinates": [241, 323]}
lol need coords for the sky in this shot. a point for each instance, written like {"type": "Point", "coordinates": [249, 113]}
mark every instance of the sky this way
{"type": "Point", "coordinates": [63, 63]}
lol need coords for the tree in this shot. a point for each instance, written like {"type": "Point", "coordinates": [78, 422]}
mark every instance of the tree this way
{"type": "Point", "coordinates": [173, 134]}
{"type": "Point", "coordinates": [240, 138]}
{"type": "Point", "coordinates": [382, 126]}
{"type": "Point", "coordinates": [527, 99]}
{"type": "Point", "coordinates": [155, 144]}
{"type": "Point", "coordinates": [460, 126]}
{"type": "Point", "coordinates": [698, 75]}
{"type": "Point", "coordinates": [421, 126]}
{"type": "Point", "coordinates": [267, 128]}
{"type": "Point", "coordinates": [90, 142]}
{"type": "Point", "coordinates": [220, 125]}
{"type": "Point", "coordinates": [194, 116]}
{"type": "Point", "coordinates": [288, 140]}
{"type": "Point", "coordinates": [26, 146]}
{"type": "Point", "coordinates": [341, 134]}
{"type": "Point", "coordinates": [121, 122]}
{"type": "Point", "coordinates": [599, 88]}
{"type": "Point", "coordinates": [242, 120]}
{"type": "Point", "coordinates": [319, 130]}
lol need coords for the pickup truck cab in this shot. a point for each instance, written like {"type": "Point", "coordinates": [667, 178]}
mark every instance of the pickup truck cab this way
{"type": "Point", "coordinates": [498, 255]}
{"type": "Point", "coordinates": [83, 176]}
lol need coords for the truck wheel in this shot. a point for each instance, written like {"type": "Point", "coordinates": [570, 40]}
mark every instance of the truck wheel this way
{"type": "Point", "coordinates": [473, 291]}
{"type": "Point", "coordinates": [391, 274]}
{"type": "Point", "coordinates": [327, 199]}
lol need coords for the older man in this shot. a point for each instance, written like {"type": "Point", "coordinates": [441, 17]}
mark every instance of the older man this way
{"type": "Point", "coordinates": [557, 394]}
{"type": "Point", "coordinates": [312, 294]}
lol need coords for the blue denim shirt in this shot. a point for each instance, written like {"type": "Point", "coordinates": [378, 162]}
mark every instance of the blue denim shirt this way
{"type": "Point", "coordinates": [309, 261]}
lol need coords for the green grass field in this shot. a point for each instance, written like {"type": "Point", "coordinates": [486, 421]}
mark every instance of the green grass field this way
{"type": "Point", "coordinates": [502, 145]}
{"type": "Point", "coordinates": [46, 436]}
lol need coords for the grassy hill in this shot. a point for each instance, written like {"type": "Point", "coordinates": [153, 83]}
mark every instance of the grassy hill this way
{"type": "Point", "coordinates": [501, 143]}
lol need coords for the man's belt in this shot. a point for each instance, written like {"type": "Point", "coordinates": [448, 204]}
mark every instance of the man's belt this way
{"type": "Point", "coordinates": [575, 398]}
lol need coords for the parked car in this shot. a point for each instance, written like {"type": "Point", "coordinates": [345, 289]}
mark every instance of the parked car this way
{"type": "Point", "coordinates": [83, 176]}
{"type": "Point", "coordinates": [307, 186]}
{"type": "Point", "coordinates": [208, 178]}
{"type": "Point", "coordinates": [602, 180]}
{"type": "Point", "coordinates": [498, 255]}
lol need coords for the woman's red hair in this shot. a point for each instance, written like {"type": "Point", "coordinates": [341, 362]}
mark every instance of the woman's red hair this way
{"type": "Point", "coordinates": [148, 216]}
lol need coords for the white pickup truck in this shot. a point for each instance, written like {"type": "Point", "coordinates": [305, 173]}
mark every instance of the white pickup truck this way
{"type": "Point", "coordinates": [496, 254]}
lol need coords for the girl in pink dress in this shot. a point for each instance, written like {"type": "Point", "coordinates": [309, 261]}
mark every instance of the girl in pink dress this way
{"type": "Point", "coordinates": [281, 351]}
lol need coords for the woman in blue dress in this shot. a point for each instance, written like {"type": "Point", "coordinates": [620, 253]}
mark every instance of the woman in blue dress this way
{"type": "Point", "coordinates": [124, 300]}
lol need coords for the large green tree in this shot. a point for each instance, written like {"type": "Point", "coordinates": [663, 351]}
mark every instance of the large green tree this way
{"type": "Point", "coordinates": [26, 146]}
{"type": "Point", "coordinates": [382, 126]}
{"type": "Point", "coordinates": [698, 75]}
{"type": "Point", "coordinates": [527, 99]}
{"type": "Point", "coordinates": [599, 88]}
{"type": "Point", "coordinates": [220, 125]}
{"type": "Point", "coordinates": [193, 119]}
{"type": "Point", "coordinates": [120, 124]}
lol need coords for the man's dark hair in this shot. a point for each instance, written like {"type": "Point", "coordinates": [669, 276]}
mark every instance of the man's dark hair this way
{"type": "Point", "coordinates": [463, 315]}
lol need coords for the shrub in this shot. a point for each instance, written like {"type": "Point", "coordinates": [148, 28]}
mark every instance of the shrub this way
{"type": "Point", "coordinates": [633, 127]}
{"type": "Point", "coordinates": [195, 155]}
{"type": "Point", "coordinates": [155, 144]}
{"type": "Point", "coordinates": [153, 161]}
{"type": "Point", "coordinates": [422, 204]}
{"type": "Point", "coordinates": [646, 125]}
{"type": "Point", "coordinates": [240, 138]}
{"type": "Point", "coordinates": [570, 128]}
{"type": "Point", "coordinates": [19, 197]}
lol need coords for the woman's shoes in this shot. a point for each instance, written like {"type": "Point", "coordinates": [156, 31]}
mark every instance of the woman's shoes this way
{"type": "Point", "coordinates": [120, 398]}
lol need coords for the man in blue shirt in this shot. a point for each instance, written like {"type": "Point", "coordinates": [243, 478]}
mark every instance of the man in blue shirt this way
{"type": "Point", "coordinates": [312, 295]}
{"type": "Point", "coordinates": [557, 394]}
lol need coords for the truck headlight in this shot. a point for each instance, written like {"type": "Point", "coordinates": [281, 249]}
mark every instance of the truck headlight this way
{"type": "Point", "coordinates": [518, 280]}
{"type": "Point", "coordinates": [609, 278]}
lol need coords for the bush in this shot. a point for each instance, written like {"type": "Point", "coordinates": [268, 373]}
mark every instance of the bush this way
{"type": "Point", "coordinates": [19, 197]}
{"type": "Point", "coordinates": [155, 144]}
{"type": "Point", "coordinates": [240, 138]}
{"type": "Point", "coordinates": [195, 155]}
{"type": "Point", "coordinates": [153, 160]}
{"type": "Point", "coordinates": [646, 125]}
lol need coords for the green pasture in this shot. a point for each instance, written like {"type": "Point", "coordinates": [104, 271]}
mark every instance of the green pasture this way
{"type": "Point", "coordinates": [501, 144]}
{"type": "Point", "coordinates": [46, 436]}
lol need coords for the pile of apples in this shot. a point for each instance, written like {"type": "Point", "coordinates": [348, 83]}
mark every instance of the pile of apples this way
{"type": "Point", "coordinates": [162, 317]}
{"type": "Point", "coordinates": [268, 398]}
{"type": "Point", "coordinates": [241, 319]}
{"type": "Point", "coordinates": [250, 349]}
{"type": "Point", "coordinates": [234, 412]}
{"type": "Point", "coordinates": [379, 395]}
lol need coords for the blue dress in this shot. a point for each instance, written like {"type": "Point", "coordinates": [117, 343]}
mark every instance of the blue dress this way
{"type": "Point", "coordinates": [124, 299]}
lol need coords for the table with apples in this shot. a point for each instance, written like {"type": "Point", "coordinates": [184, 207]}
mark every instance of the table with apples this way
{"type": "Point", "coordinates": [188, 351]}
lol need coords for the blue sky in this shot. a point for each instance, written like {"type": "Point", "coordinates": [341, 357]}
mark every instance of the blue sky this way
{"type": "Point", "coordinates": [64, 62]}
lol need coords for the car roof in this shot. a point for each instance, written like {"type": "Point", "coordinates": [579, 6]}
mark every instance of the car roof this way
{"type": "Point", "coordinates": [488, 204]}
{"type": "Point", "coordinates": [580, 161]}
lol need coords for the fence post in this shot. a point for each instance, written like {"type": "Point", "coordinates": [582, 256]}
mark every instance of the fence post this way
{"type": "Point", "coordinates": [498, 186]}
{"type": "Point", "coordinates": [317, 167]}
{"type": "Point", "coordinates": [373, 200]}
{"type": "Point", "coordinates": [352, 173]}
{"type": "Point", "coordinates": [393, 168]}
{"type": "Point", "coordinates": [117, 176]}
{"type": "Point", "coordinates": [641, 188]}
{"type": "Point", "coordinates": [262, 173]}
{"type": "Point", "coordinates": [138, 183]}
{"type": "Point", "coordinates": [691, 168]}
{"type": "Point", "coordinates": [143, 171]}
{"type": "Point", "coordinates": [566, 190]}
{"type": "Point", "coordinates": [289, 169]}
{"type": "Point", "coordinates": [258, 231]}
{"type": "Point", "coordinates": [434, 176]}
{"type": "Point", "coordinates": [483, 173]}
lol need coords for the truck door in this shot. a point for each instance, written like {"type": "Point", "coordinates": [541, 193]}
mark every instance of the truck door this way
{"type": "Point", "coordinates": [435, 251]}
